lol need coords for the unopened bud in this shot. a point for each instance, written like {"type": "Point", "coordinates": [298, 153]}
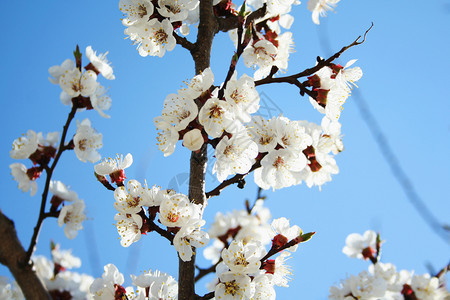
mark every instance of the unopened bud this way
{"type": "Point", "coordinates": [193, 140]}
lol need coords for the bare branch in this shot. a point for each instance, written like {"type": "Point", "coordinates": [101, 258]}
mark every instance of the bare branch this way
{"type": "Point", "coordinates": [321, 63]}
{"type": "Point", "coordinates": [15, 258]}
{"type": "Point", "coordinates": [183, 42]}
{"type": "Point", "coordinates": [230, 23]}
{"type": "Point", "coordinates": [49, 173]}
{"type": "Point", "coordinates": [235, 179]}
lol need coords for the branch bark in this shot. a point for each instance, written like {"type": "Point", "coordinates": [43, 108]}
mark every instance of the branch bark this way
{"type": "Point", "coordinates": [201, 53]}
{"type": "Point", "coordinates": [14, 257]}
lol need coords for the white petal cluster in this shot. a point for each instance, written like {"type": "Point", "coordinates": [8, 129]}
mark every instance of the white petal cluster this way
{"type": "Point", "coordinates": [72, 216]}
{"type": "Point", "coordinates": [160, 285]}
{"type": "Point", "coordinates": [356, 243]}
{"type": "Point", "coordinates": [100, 63]}
{"type": "Point", "coordinates": [75, 83]}
{"type": "Point", "coordinates": [190, 235]}
{"type": "Point", "coordinates": [150, 23]}
{"type": "Point", "coordinates": [234, 155]}
{"type": "Point", "coordinates": [24, 146]}
{"type": "Point", "coordinates": [333, 87]}
{"type": "Point", "coordinates": [104, 288]}
{"type": "Point", "coordinates": [25, 183]}
{"type": "Point", "coordinates": [60, 190]}
{"type": "Point", "coordinates": [87, 141]}
{"type": "Point", "coordinates": [59, 281]}
{"type": "Point", "coordinates": [111, 165]}
{"type": "Point", "coordinates": [320, 8]}
{"type": "Point", "coordinates": [240, 238]}
{"type": "Point", "coordinates": [383, 281]}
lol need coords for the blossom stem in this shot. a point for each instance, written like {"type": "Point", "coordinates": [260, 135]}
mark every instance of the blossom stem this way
{"type": "Point", "coordinates": [49, 173]}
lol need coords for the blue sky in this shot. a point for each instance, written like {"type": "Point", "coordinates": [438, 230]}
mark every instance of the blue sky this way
{"type": "Point", "coordinates": [405, 85]}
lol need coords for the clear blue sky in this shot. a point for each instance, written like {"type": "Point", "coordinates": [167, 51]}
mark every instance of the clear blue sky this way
{"type": "Point", "coordinates": [405, 63]}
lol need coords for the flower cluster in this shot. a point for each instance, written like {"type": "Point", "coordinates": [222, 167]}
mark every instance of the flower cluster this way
{"type": "Point", "coordinates": [81, 88]}
{"type": "Point", "coordinates": [240, 238]}
{"type": "Point", "coordinates": [70, 215]}
{"type": "Point", "coordinates": [151, 24]}
{"type": "Point", "coordinates": [138, 206]}
{"type": "Point", "coordinates": [332, 85]}
{"type": "Point", "coordinates": [281, 151]}
{"type": "Point", "coordinates": [60, 283]}
{"type": "Point", "coordinates": [39, 150]}
{"type": "Point", "coordinates": [382, 280]}
{"type": "Point", "coordinates": [149, 285]}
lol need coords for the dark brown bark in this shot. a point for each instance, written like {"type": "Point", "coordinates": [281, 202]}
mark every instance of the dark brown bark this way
{"type": "Point", "coordinates": [201, 54]}
{"type": "Point", "coordinates": [14, 256]}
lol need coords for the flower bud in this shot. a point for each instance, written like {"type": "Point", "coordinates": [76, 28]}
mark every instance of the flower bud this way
{"type": "Point", "coordinates": [193, 140]}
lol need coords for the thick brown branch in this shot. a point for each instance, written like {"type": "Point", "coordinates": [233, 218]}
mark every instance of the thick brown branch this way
{"type": "Point", "coordinates": [14, 257]}
{"type": "Point", "coordinates": [235, 179]}
{"type": "Point", "coordinates": [321, 63]}
{"type": "Point", "coordinates": [210, 295]}
{"type": "Point", "coordinates": [183, 42]}
{"type": "Point", "coordinates": [203, 272]}
{"type": "Point", "coordinates": [230, 23]}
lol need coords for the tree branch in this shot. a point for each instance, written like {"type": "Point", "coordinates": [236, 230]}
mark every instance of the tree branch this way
{"type": "Point", "coordinates": [235, 179]}
{"type": "Point", "coordinates": [49, 173]}
{"type": "Point", "coordinates": [13, 255]}
{"type": "Point", "coordinates": [292, 79]}
{"type": "Point", "coordinates": [230, 23]}
{"type": "Point", "coordinates": [183, 42]}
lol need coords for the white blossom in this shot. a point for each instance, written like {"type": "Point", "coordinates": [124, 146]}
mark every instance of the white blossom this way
{"type": "Point", "coordinates": [320, 7]}
{"type": "Point", "coordinates": [72, 216]}
{"type": "Point", "coordinates": [243, 258]}
{"type": "Point", "coordinates": [234, 286]}
{"type": "Point", "coordinates": [234, 155]}
{"type": "Point", "coordinates": [100, 63]}
{"type": "Point", "coordinates": [57, 71]}
{"type": "Point", "coordinates": [24, 146]}
{"type": "Point", "coordinates": [87, 141]}
{"type": "Point", "coordinates": [19, 172]}
{"type": "Point", "coordinates": [75, 83]}
{"type": "Point", "coordinates": [190, 235]}
{"type": "Point", "coordinates": [356, 243]}
{"type": "Point", "coordinates": [128, 227]}
{"type": "Point", "coordinates": [111, 165]}
{"type": "Point", "coordinates": [59, 189]}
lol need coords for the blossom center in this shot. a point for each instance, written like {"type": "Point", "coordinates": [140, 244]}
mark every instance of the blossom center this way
{"type": "Point", "coordinates": [173, 217]}
{"type": "Point", "coordinates": [133, 201]}
{"type": "Point", "coordinates": [215, 111]}
{"type": "Point", "coordinates": [279, 162]}
{"type": "Point", "coordinates": [161, 36]}
{"type": "Point", "coordinates": [231, 287]}
{"type": "Point", "coordinates": [142, 11]}
{"type": "Point", "coordinates": [240, 260]}
{"type": "Point", "coordinates": [82, 144]}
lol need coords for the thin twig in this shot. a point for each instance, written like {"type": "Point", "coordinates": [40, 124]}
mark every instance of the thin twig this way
{"type": "Point", "coordinates": [292, 79]}
{"type": "Point", "coordinates": [49, 173]}
{"type": "Point", "coordinates": [235, 179]}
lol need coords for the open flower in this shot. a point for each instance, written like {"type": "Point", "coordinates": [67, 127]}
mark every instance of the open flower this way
{"type": "Point", "coordinates": [87, 141]}
{"type": "Point", "coordinates": [100, 62]}
{"type": "Point", "coordinates": [24, 146]}
{"type": "Point", "coordinates": [22, 175]}
{"type": "Point", "coordinates": [72, 216]}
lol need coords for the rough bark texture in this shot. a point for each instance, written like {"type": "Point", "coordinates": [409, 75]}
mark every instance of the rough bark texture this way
{"type": "Point", "coordinates": [13, 256]}
{"type": "Point", "coordinates": [201, 54]}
